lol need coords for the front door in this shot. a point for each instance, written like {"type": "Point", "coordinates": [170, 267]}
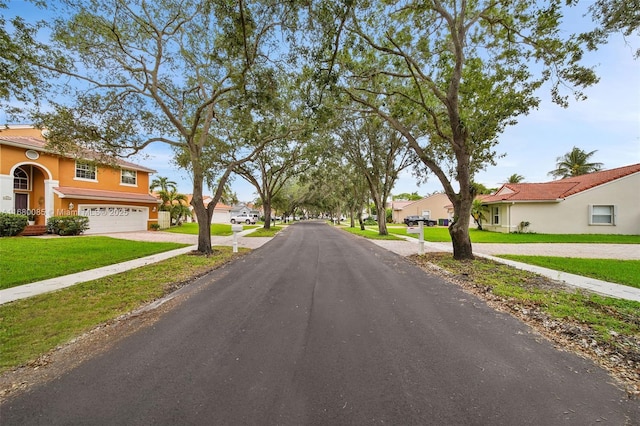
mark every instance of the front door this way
{"type": "Point", "coordinates": [22, 203]}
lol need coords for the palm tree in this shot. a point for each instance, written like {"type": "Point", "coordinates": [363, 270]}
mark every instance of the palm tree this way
{"type": "Point", "coordinates": [163, 183]}
{"type": "Point", "coordinates": [174, 203]}
{"type": "Point", "coordinates": [478, 213]}
{"type": "Point", "coordinates": [228, 197]}
{"type": "Point", "coordinates": [575, 163]}
{"type": "Point", "coordinates": [515, 178]}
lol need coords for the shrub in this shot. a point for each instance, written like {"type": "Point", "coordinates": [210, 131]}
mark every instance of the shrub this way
{"type": "Point", "coordinates": [370, 222]}
{"type": "Point", "coordinates": [67, 225]}
{"type": "Point", "coordinates": [12, 224]}
{"type": "Point", "coordinates": [154, 226]}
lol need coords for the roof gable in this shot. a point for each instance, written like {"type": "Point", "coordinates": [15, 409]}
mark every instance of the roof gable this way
{"type": "Point", "coordinates": [559, 189]}
{"type": "Point", "coordinates": [30, 142]}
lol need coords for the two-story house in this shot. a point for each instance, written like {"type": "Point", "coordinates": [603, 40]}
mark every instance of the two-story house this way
{"type": "Point", "coordinates": [39, 182]}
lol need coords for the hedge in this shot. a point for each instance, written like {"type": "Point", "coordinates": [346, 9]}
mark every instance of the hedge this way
{"type": "Point", "coordinates": [12, 224]}
{"type": "Point", "coordinates": [67, 225]}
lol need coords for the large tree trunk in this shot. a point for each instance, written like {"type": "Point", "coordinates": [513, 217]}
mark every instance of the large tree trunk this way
{"type": "Point", "coordinates": [266, 206]}
{"type": "Point", "coordinates": [382, 219]}
{"type": "Point", "coordinates": [461, 241]}
{"type": "Point", "coordinates": [459, 229]}
{"type": "Point", "coordinates": [204, 217]}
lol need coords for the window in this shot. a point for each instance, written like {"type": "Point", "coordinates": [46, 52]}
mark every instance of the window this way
{"type": "Point", "coordinates": [495, 215]}
{"type": "Point", "coordinates": [602, 215]}
{"type": "Point", "coordinates": [85, 170]}
{"type": "Point", "coordinates": [21, 179]}
{"type": "Point", "coordinates": [129, 177]}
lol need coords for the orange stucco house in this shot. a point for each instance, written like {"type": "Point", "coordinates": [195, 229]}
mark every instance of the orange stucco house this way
{"type": "Point", "coordinates": [37, 181]}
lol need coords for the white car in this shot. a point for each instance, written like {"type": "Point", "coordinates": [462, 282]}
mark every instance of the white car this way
{"type": "Point", "coordinates": [243, 218]}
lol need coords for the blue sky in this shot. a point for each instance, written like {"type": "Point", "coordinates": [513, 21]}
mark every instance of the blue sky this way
{"type": "Point", "coordinates": [608, 122]}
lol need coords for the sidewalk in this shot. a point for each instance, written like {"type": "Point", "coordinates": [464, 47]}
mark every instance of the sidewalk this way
{"type": "Point", "coordinates": [410, 246]}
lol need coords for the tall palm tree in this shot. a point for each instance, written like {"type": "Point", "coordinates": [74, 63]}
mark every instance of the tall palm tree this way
{"type": "Point", "coordinates": [515, 178]}
{"type": "Point", "coordinates": [164, 184]}
{"type": "Point", "coordinates": [175, 203]}
{"type": "Point", "coordinates": [228, 197]}
{"type": "Point", "coordinates": [575, 163]}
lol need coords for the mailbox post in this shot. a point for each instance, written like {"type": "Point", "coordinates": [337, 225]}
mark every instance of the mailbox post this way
{"type": "Point", "coordinates": [236, 229]}
{"type": "Point", "coordinates": [420, 231]}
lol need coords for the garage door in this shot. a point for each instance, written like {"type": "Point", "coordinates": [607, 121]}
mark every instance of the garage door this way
{"type": "Point", "coordinates": [104, 218]}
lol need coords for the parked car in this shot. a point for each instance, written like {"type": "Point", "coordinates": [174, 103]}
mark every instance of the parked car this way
{"type": "Point", "coordinates": [413, 220]}
{"type": "Point", "coordinates": [243, 217]}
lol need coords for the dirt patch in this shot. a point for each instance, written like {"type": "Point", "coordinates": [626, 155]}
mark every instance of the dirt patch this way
{"type": "Point", "coordinates": [620, 355]}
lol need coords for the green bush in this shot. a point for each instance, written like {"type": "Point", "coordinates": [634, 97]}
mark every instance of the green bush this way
{"type": "Point", "coordinates": [12, 224]}
{"type": "Point", "coordinates": [67, 225]}
{"type": "Point", "coordinates": [370, 222]}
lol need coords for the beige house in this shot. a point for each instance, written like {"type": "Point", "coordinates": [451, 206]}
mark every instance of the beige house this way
{"type": "Point", "coordinates": [433, 207]}
{"type": "Point", "coordinates": [604, 202]}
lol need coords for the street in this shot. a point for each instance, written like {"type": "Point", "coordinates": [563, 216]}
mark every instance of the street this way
{"type": "Point", "coordinates": [319, 327]}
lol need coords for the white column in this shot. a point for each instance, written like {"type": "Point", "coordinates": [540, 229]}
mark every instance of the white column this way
{"type": "Point", "coordinates": [7, 203]}
{"type": "Point", "coordinates": [49, 184]}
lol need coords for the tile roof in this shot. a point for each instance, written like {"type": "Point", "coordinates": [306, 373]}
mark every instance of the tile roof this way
{"type": "Point", "coordinates": [399, 205]}
{"type": "Point", "coordinates": [559, 189]}
{"type": "Point", "coordinates": [206, 199]}
{"type": "Point", "coordinates": [29, 142]}
{"type": "Point", "coordinates": [100, 195]}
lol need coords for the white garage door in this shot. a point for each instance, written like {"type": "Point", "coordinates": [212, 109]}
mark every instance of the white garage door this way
{"type": "Point", "coordinates": [105, 218]}
{"type": "Point", "coordinates": [220, 217]}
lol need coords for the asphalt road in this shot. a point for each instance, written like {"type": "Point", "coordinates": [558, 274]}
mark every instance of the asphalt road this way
{"type": "Point", "coordinates": [319, 327]}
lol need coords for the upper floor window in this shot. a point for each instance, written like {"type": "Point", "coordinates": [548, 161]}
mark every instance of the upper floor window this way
{"type": "Point", "coordinates": [129, 177]}
{"type": "Point", "coordinates": [602, 215]}
{"type": "Point", "coordinates": [21, 179]}
{"type": "Point", "coordinates": [85, 170]}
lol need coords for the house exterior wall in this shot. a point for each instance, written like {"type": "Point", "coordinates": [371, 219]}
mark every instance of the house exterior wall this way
{"type": "Point", "coordinates": [435, 204]}
{"type": "Point", "coordinates": [572, 215]}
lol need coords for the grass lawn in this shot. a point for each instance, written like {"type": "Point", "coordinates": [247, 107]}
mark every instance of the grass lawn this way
{"type": "Point", "coordinates": [26, 260]}
{"type": "Point", "coordinates": [520, 290]}
{"type": "Point", "coordinates": [218, 229]}
{"type": "Point", "coordinates": [33, 326]}
{"type": "Point", "coordinates": [261, 232]}
{"type": "Point", "coordinates": [625, 272]}
{"type": "Point", "coordinates": [371, 233]}
{"type": "Point", "coordinates": [440, 234]}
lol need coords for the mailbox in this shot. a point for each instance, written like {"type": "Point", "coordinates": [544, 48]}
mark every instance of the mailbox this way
{"type": "Point", "coordinates": [236, 228]}
{"type": "Point", "coordinates": [413, 230]}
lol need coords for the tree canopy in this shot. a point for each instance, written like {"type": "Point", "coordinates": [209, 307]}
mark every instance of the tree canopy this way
{"type": "Point", "coordinates": [205, 77]}
{"type": "Point", "coordinates": [196, 75]}
{"type": "Point", "coordinates": [450, 76]}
